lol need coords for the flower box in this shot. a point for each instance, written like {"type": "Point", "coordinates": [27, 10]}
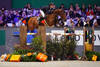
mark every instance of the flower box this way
{"type": "Point", "coordinates": [15, 58]}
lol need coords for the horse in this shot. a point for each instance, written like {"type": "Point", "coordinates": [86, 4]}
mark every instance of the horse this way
{"type": "Point", "coordinates": [51, 19]}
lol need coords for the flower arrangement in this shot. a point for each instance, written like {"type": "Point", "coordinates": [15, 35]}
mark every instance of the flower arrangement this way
{"type": "Point", "coordinates": [93, 56]}
{"type": "Point", "coordinates": [61, 49]}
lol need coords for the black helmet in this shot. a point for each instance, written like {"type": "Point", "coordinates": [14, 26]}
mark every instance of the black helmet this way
{"type": "Point", "coordinates": [51, 3]}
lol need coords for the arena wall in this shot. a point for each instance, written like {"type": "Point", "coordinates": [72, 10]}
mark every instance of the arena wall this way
{"type": "Point", "coordinates": [43, 3]}
{"type": "Point", "coordinates": [6, 4]}
{"type": "Point", "coordinates": [10, 4]}
{"type": "Point", "coordinates": [12, 40]}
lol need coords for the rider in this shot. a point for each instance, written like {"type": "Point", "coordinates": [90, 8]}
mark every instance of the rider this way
{"type": "Point", "coordinates": [46, 10]}
{"type": "Point", "coordinates": [49, 9]}
{"type": "Point", "coordinates": [52, 7]}
{"type": "Point", "coordinates": [62, 6]}
{"type": "Point", "coordinates": [42, 18]}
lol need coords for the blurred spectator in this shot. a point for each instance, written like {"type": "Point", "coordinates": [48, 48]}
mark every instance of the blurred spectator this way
{"type": "Point", "coordinates": [89, 11]}
{"type": "Point", "coordinates": [83, 9]}
{"type": "Point", "coordinates": [80, 23]}
{"type": "Point", "coordinates": [51, 8]}
{"type": "Point", "coordinates": [95, 9]}
{"type": "Point", "coordinates": [77, 7]}
{"type": "Point", "coordinates": [75, 16]}
{"type": "Point", "coordinates": [2, 10]}
{"type": "Point", "coordinates": [78, 10]}
{"type": "Point", "coordinates": [69, 23]}
{"type": "Point", "coordinates": [89, 23]}
{"type": "Point", "coordinates": [34, 12]}
{"type": "Point", "coordinates": [24, 14]}
{"type": "Point", "coordinates": [71, 11]}
{"type": "Point", "coordinates": [28, 6]}
{"type": "Point", "coordinates": [62, 7]}
{"type": "Point", "coordinates": [1, 21]}
{"type": "Point", "coordinates": [94, 21]}
{"type": "Point", "coordinates": [89, 7]}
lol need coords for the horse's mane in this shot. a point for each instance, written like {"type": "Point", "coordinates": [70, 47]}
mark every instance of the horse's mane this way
{"type": "Point", "coordinates": [58, 11]}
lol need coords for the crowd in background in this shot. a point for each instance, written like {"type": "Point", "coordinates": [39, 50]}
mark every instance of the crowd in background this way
{"type": "Point", "coordinates": [76, 15]}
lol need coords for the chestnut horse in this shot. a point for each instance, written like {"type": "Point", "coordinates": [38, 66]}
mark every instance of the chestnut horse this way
{"type": "Point", "coordinates": [51, 19]}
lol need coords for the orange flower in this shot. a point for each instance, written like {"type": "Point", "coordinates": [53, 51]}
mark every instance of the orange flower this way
{"type": "Point", "coordinates": [29, 54]}
{"type": "Point", "coordinates": [7, 57]}
{"type": "Point", "coordinates": [94, 58]}
{"type": "Point", "coordinates": [42, 57]}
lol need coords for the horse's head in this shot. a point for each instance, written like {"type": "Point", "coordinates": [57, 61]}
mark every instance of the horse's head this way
{"type": "Point", "coordinates": [61, 13]}
{"type": "Point", "coordinates": [52, 18]}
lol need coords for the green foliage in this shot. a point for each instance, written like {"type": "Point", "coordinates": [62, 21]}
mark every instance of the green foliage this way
{"type": "Point", "coordinates": [22, 51]}
{"type": "Point", "coordinates": [69, 46]}
{"type": "Point", "coordinates": [58, 48]}
{"type": "Point", "coordinates": [28, 58]}
{"type": "Point", "coordinates": [54, 48]}
{"type": "Point", "coordinates": [62, 48]}
{"type": "Point", "coordinates": [50, 48]}
{"type": "Point", "coordinates": [89, 55]}
{"type": "Point", "coordinates": [37, 44]}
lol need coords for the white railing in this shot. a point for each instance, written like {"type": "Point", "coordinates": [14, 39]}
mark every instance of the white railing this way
{"type": "Point", "coordinates": [55, 34]}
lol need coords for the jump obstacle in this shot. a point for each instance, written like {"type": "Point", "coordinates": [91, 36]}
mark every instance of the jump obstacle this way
{"type": "Point", "coordinates": [88, 36]}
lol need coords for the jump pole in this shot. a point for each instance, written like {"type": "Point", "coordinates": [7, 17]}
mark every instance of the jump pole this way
{"type": "Point", "coordinates": [84, 41]}
{"type": "Point", "coordinates": [42, 34]}
{"type": "Point", "coordinates": [23, 35]}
